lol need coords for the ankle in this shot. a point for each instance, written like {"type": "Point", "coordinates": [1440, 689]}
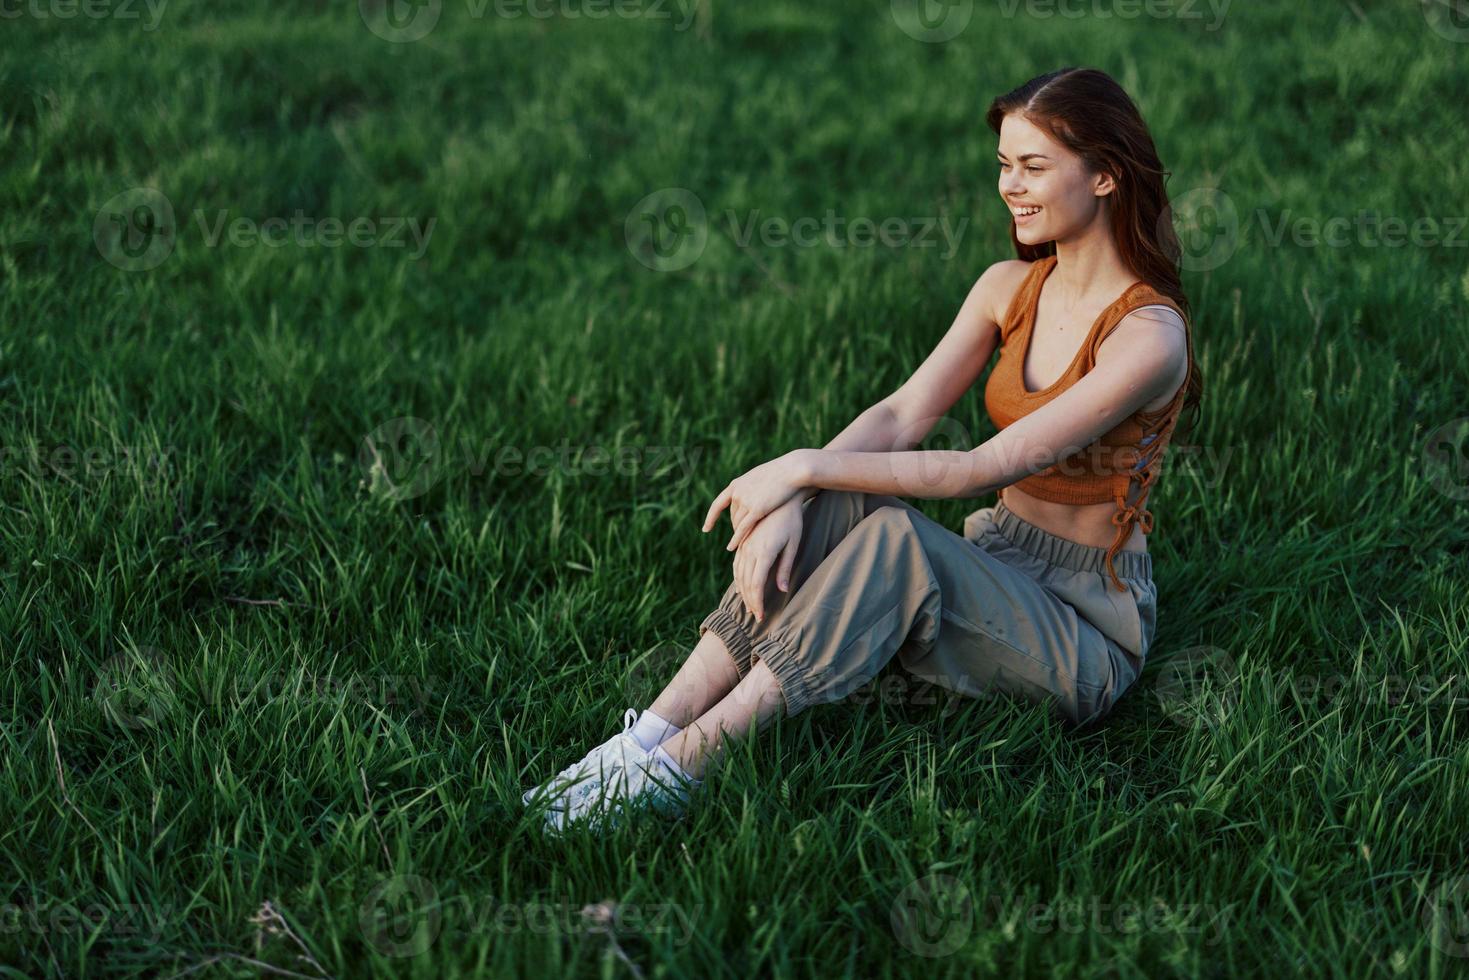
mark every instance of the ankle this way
{"type": "Point", "coordinates": [651, 730]}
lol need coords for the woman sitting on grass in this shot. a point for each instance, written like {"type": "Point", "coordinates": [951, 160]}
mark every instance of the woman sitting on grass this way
{"type": "Point", "coordinates": [1048, 594]}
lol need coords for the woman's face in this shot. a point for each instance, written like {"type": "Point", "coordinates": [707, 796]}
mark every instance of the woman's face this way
{"type": "Point", "coordinates": [1049, 190]}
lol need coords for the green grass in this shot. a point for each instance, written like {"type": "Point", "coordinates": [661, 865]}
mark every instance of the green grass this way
{"type": "Point", "coordinates": [241, 669]}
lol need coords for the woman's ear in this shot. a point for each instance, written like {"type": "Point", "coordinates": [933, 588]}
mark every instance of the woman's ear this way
{"type": "Point", "coordinates": [1103, 184]}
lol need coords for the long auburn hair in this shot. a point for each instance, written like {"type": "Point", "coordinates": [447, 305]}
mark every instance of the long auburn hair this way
{"type": "Point", "coordinates": [1088, 112]}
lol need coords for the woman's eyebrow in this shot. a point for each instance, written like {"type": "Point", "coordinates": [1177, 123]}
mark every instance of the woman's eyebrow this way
{"type": "Point", "coordinates": [1025, 156]}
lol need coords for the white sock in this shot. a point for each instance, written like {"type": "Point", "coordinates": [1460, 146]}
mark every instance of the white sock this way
{"type": "Point", "coordinates": [661, 755]}
{"type": "Point", "coordinates": [651, 730]}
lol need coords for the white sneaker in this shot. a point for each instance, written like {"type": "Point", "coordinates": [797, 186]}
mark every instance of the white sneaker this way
{"type": "Point", "coordinates": [641, 783]}
{"type": "Point", "coordinates": [581, 775]}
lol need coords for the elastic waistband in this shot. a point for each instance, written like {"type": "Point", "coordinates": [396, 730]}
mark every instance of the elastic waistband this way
{"type": "Point", "coordinates": [1068, 554]}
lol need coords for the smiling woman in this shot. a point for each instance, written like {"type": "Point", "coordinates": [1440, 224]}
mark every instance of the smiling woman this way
{"type": "Point", "coordinates": [1096, 363]}
{"type": "Point", "coordinates": [1074, 151]}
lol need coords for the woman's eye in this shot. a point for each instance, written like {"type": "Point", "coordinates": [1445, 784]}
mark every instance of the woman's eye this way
{"type": "Point", "coordinates": [1034, 170]}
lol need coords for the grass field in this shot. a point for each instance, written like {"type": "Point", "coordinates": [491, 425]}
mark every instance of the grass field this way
{"type": "Point", "coordinates": [358, 425]}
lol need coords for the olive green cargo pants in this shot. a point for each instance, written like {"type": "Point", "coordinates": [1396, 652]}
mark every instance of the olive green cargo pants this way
{"type": "Point", "coordinates": [1005, 606]}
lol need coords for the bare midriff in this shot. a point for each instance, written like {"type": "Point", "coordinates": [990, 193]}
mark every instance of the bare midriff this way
{"type": "Point", "coordinates": [1089, 524]}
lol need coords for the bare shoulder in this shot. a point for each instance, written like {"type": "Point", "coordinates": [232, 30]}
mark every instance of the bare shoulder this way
{"type": "Point", "coordinates": [1154, 340]}
{"type": "Point", "coordinates": [999, 283]}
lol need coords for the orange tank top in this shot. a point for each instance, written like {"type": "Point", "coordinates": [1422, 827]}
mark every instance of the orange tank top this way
{"type": "Point", "coordinates": [1129, 453]}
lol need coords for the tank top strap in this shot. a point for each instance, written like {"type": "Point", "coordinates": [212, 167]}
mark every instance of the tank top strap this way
{"type": "Point", "coordinates": [1027, 295]}
{"type": "Point", "coordinates": [1139, 295]}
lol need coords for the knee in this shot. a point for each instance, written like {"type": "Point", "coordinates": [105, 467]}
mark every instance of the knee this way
{"type": "Point", "coordinates": [847, 499]}
{"type": "Point", "coordinates": [891, 517]}
{"type": "Point", "coordinates": [889, 522]}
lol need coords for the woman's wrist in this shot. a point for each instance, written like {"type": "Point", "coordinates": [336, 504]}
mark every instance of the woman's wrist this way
{"type": "Point", "coordinates": [807, 466]}
{"type": "Point", "coordinates": [802, 466]}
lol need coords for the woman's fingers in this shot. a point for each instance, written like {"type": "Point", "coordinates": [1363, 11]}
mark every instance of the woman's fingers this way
{"type": "Point", "coordinates": [752, 588]}
{"type": "Point", "coordinates": [742, 530]}
{"type": "Point", "coordinates": [738, 512]}
{"type": "Point", "coordinates": [787, 562]}
{"type": "Point", "coordinates": [741, 579]}
{"type": "Point", "coordinates": [720, 502]}
{"type": "Point", "coordinates": [759, 575]}
{"type": "Point", "coordinates": [734, 536]}
{"type": "Point", "coordinates": [745, 528]}
{"type": "Point", "coordinates": [749, 582]}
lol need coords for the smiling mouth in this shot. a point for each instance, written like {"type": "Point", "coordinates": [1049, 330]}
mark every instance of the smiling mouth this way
{"type": "Point", "coordinates": [1024, 211]}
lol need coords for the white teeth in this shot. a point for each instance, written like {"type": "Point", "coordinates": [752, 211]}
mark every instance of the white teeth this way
{"type": "Point", "coordinates": [1022, 212]}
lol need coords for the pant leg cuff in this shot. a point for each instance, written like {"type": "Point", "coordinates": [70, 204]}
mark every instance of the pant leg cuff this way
{"type": "Point", "coordinates": [780, 656]}
{"type": "Point", "coordinates": [736, 640]}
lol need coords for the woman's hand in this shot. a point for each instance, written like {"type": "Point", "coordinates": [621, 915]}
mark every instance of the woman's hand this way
{"type": "Point", "coordinates": [776, 538]}
{"type": "Point", "coordinates": [760, 491]}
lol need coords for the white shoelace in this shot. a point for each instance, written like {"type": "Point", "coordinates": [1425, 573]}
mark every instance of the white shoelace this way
{"type": "Point", "coordinates": [629, 718]}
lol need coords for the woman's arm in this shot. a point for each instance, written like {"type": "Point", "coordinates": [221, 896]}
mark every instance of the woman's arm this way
{"type": "Point", "coordinates": [874, 431]}
{"type": "Point", "coordinates": [903, 419]}
{"type": "Point", "coordinates": [1139, 361]}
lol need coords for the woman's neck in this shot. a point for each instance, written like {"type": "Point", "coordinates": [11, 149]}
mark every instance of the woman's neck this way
{"type": "Point", "coordinates": [1089, 267]}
